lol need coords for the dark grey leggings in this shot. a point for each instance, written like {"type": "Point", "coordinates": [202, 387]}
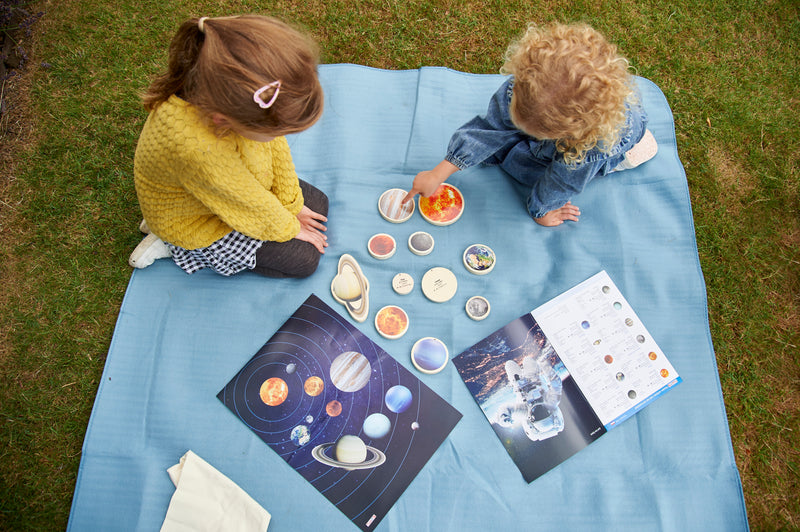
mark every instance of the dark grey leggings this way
{"type": "Point", "coordinates": [293, 258]}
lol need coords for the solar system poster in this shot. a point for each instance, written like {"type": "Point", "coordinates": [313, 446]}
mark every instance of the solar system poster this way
{"type": "Point", "coordinates": [340, 411]}
{"type": "Point", "coordinates": [554, 380]}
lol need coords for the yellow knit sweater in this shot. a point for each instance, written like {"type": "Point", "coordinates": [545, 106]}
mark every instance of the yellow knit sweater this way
{"type": "Point", "coordinates": [195, 187]}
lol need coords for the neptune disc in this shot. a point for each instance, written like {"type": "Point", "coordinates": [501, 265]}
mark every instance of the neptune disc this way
{"type": "Point", "coordinates": [429, 355]}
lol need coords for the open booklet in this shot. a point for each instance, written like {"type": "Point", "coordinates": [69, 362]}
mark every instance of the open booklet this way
{"type": "Point", "coordinates": [556, 379]}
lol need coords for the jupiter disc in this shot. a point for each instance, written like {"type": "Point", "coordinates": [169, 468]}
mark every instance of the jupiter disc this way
{"type": "Point", "coordinates": [392, 208]}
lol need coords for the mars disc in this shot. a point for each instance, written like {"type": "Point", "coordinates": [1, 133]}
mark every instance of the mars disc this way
{"type": "Point", "coordinates": [381, 246]}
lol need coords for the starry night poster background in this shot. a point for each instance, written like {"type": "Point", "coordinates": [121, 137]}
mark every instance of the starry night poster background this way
{"type": "Point", "coordinates": [483, 369]}
{"type": "Point", "coordinates": [319, 381]}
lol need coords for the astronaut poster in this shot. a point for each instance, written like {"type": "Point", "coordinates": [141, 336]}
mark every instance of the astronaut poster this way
{"type": "Point", "coordinates": [340, 411]}
{"type": "Point", "coordinates": [554, 380]}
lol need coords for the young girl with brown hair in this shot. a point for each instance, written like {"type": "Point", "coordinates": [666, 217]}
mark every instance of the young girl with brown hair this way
{"type": "Point", "coordinates": [568, 113]}
{"type": "Point", "coordinates": [213, 172]}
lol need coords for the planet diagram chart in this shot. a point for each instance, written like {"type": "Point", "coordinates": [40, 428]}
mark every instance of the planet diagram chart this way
{"type": "Point", "coordinates": [340, 411]}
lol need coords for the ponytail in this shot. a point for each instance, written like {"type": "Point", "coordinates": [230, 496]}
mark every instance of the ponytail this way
{"type": "Point", "coordinates": [183, 53]}
{"type": "Point", "coordinates": [222, 64]}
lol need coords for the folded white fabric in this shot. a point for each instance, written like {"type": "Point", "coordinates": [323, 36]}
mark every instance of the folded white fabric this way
{"type": "Point", "coordinates": [205, 499]}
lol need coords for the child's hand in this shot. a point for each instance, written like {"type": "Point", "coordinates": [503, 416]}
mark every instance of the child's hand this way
{"type": "Point", "coordinates": [428, 181]}
{"type": "Point", "coordinates": [311, 220]}
{"type": "Point", "coordinates": [317, 239]}
{"type": "Point", "coordinates": [311, 228]}
{"type": "Point", "coordinates": [560, 215]}
{"type": "Point", "coordinates": [425, 183]}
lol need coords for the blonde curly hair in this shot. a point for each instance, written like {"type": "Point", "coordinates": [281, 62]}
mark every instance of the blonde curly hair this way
{"type": "Point", "coordinates": [571, 86]}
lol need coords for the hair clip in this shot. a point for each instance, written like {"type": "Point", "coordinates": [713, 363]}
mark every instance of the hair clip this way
{"type": "Point", "coordinates": [257, 95]}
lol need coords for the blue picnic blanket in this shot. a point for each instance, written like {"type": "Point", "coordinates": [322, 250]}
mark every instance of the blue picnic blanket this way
{"type": "Point", "coordinates": [181, 338]}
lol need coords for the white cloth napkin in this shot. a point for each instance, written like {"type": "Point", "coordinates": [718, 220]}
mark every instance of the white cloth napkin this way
{"type": "Point", "coordinates": [205, 499]}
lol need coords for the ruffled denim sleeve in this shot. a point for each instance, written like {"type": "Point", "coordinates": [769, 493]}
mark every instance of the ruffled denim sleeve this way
{"type": "Point", "coordinates": [487, 136]}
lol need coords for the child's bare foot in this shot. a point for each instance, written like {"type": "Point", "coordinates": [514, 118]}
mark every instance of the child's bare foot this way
{"type": "Point", "coordinates": [560, 215]}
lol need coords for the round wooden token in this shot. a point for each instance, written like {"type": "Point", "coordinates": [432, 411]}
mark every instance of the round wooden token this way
{"type": "Point", "coordinates": [439, 284]}
{"type": "Point", "coordinates": [403, 283]}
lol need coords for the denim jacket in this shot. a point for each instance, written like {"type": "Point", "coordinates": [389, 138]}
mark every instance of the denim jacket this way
{"type": "Point", "coordinates": [493, 139]}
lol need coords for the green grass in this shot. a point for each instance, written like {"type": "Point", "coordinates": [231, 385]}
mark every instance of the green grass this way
{"type": "Point", "coordinates": [68, 212]}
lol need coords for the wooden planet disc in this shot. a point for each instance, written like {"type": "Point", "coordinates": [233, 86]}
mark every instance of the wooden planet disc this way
{"type": "Point", "coordinates": [429, 355]}
{"type": "Point", "coordinates": [439, 284]}
{"type": "Point", "coordinates": [403, 283]}
{"type": "Point", "coordinates": [420, 243]}
{"type": "Point", "coordinates": [479, 259]}
{"type": "Point", "coordinates": [391, 207]}
{"type": "Point", "coordinates": [391, 322]}
{"type": "Point", "coordinates": [444, 206]}
{"type": "Point", "coordinates": [351, 288]}
{"type": "Point", "coordinates": [478, 307]}
{"type": "Point", "coordinates": [381, 246]}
